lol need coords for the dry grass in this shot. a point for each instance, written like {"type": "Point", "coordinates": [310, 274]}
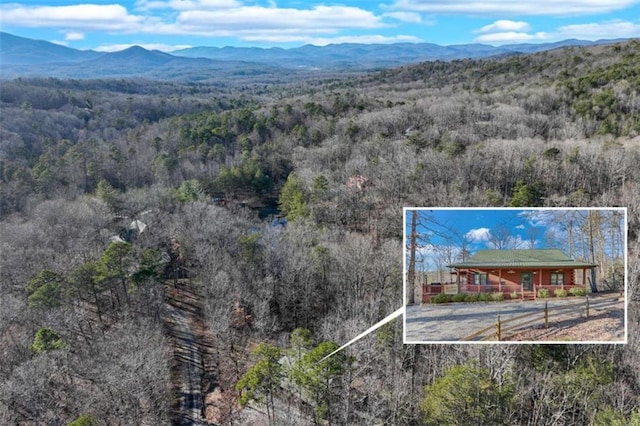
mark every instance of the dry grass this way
{"type": "Point", "coordinates": [602, 326]}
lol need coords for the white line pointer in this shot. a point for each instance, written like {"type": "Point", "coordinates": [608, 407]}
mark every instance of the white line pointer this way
{"type": "Point", "coordinates": [379, 324]}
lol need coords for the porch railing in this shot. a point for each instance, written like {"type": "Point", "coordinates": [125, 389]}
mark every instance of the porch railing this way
{"type": "Point", "coordinates": [430, 290]}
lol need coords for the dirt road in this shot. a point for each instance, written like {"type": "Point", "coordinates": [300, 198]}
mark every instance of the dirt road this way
{"type": "Point", "coordinates": [187, 333]}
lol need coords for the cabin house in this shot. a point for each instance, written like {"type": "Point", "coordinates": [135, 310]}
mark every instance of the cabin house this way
{"type": "Point", "coordinates": [521, 272]}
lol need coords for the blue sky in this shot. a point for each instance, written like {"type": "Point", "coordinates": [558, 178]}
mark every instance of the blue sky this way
{"type": "Point", "coordinates": [109, 25]}
{"type": "Point", "coordinates": [444, 230]}
{"type": "Point", "coordinates": [476, 226]}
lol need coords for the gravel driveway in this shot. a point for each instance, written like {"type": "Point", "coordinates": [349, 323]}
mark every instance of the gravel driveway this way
{"type": "Point", "coordinates": [454, 321]}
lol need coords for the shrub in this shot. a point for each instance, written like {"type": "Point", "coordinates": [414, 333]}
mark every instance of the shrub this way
{"type": "Point", "coordinates": [551, 153]}
{"type": "Point", "coordinates": [84, 420]}
{"type": "Point", "coordinates": [610, 417]}
{"type": "Point", "coordinates": [461, 395]}
{"type": "Point", "coordinates": [497, 296]}
{"type": "Point", "coordinates": [460, 297]}
{"type": "Point", "coordinates": [560, 292]}
{"type": "Point", "coordinates": [485, 297]}
{"type": "Point", "coordinates": [472, 297]}
{"type": "Point", "coordinates": [543, 293]}
{"type": "Point", "coordinates": [440, 298]}
{"type": "Point", "coordinates": [46, 340]}
{"type": "Point", "coordinates": [515, 295]}
{"type": "Point", "coordinates": [578, 291]}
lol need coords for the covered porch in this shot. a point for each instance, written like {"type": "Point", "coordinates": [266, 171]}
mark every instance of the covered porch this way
{"type": "Point", "coordinates": [515, 273]}
{"type": "Point", "coordinates": [524, 281]}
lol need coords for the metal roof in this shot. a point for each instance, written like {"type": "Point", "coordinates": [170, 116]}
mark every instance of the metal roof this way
{"type": "Point", "coordinates": [543, 258]}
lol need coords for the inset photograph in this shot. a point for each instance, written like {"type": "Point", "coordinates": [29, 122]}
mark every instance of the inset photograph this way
{"type": "Point", "coordinates": [505, 275]}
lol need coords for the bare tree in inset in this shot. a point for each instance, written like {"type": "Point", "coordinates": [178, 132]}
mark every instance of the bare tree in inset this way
{"type": "Point", "coordinates": [411, 270]}
{"type": "Point", "coordinates": [501, 238]}
{"type": "Point", "coordinates": [532, 237]}
{"type": "Point", "coordinates": [594, 220]}
{"type": "Point", "coordinates": [423, 227]}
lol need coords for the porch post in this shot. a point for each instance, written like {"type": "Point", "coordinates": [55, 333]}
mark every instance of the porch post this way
{"type": "Point", "coordinates": [499, 279]}
{"type": "Point", "coordinates": [540, 278]}
{"type": "Point", "coordinates": [458, 279]}
{"type": "Point", "coordinates": [584, 277]}
{"type": "Point", "coordinates": [533, 284]}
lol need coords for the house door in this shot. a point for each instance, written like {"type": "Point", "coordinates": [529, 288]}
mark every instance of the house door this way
{"type": "Point", "coordinates": [526, 279]}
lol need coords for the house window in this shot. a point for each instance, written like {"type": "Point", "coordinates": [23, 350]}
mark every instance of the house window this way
{"type": "Point", "coordinates": [479, 278]}
{"type": "Point", "coordinates": [557, 278]}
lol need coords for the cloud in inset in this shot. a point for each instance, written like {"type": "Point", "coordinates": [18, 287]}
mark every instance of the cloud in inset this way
{"type": "Point", "coordinates": [478, 235]}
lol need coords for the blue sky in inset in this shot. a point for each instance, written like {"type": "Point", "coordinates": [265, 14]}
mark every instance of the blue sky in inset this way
{"type": "Point", "coordinates": [443, 231]}
{"type": "Point", "coordinates": [476, 225]}
{"type": "Point", "coordinates": [448, 228]}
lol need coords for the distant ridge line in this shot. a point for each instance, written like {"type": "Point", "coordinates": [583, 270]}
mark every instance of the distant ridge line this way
{"type": "Point", "coordinates": [18, 55]}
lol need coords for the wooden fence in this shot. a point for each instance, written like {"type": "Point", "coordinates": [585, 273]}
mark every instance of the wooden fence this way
{"type": "Point", "coordinates": [498, 330]}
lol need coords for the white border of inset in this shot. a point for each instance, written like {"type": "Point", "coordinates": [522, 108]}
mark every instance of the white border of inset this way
{"type": "Point", "coordinates": [550, 342]}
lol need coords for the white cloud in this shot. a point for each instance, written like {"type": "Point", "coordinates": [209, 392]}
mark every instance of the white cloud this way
{"type": "Point", "coordinates": [73, 36]}
{"type": "Point", "coordinates": [110, 17]}
{"type": "Point", "coordinates": [505, 31]}
{"type": "Point", "coordinates": [539, 218]}
{"type": "Point", "coordinates": [426, 250]}
{"type": "Point", "coordinates": [590, 31]}
{"type": "Point", "coordinates": [322, 24]}
{"type": "Point", "coordinates": [521, 226]}
{"type": "Point", "coordinates": [431, 256]}
{"type": "Point", "coordinates": [478, 235]}
{"type": "Point", "coordinates": [256, 18]}
{"type": "Point", "coordinates": [600, 30]}
{"type": "Point", "coordinates": [186, 4]}
{"type": "Point", "coordinates": [410, 17]}
{"type": "Point", "coordinates": [511, 37]}
{"type": "Point", "coordinates": [148, 46]}
{"type": "Point", "coordinates": [212, 18]}
{"type": "Point", "coordinates": [503, 25]}
{"type": "Point", "coordinates": [509, 7]}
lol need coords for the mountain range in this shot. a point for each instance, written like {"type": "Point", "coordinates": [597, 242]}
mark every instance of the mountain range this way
{"type": "Point", "coordinates": [21, 56]}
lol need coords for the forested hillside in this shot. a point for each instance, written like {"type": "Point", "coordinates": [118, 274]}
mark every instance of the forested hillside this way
{"type": "Point", "coordinates": [282, 207]}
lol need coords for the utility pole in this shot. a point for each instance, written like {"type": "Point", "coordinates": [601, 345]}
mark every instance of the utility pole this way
{"type": "Point", "coordinates": [590, 219]}
{"type": "Point", "coordinates": [411, 273]}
